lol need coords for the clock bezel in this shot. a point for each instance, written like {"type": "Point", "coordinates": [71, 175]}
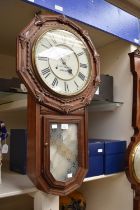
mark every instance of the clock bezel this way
{"type": "Point", "coordinates": [44, 96]}
{"type": "Point", "coordinates": [65, 28]}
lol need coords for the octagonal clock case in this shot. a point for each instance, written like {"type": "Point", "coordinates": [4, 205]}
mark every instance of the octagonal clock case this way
{"type": "Point", "coordinates": [59, 65]}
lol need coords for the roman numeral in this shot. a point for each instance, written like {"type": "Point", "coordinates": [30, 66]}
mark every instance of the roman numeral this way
{"type": "Point", "coordinates": [82, 65]}
{"type": "Point", "coordinates": [42, 58]}
{"type": "Point", "coordinates": [76, 84]}
{"type": "Point", "coordinates": [81, 53]}
{"type": "Point", "coordinates": [66, 87]}
{"type": "Point", "coordinates": [81, 76]}
{"type": "Point", "coordinates": [63, 39]}
{"type": "Point", "coordinates": [46, 45]}
{"type": "Point", "coordinates": [55, 82]}
{"type": "Point", "coordinates": [46, 72]}
{"type": "Point", "coordinates": [53, 39]}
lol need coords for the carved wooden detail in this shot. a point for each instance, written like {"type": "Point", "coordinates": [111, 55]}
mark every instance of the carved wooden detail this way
{"type": "Point", "coordinates": [38, 164]}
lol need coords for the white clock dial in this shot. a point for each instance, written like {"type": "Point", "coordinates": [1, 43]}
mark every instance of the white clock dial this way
{"type": "Point", "coordinates": [62, 62]}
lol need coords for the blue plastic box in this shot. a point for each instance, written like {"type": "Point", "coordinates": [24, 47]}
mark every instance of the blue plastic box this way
{"type": "Point", "coordinates": [96, 152]}
{"type": "Point", "coordinates": [114, 156]}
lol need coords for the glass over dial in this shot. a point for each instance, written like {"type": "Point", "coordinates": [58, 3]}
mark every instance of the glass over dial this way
{"type": "Point", "coordinates": [62, 62]}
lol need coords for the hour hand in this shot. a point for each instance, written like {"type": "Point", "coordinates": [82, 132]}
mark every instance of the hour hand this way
{"type": "Point", "coordinates": [70, 71]}
{"type": "Point", "coordinates": [63, 62]}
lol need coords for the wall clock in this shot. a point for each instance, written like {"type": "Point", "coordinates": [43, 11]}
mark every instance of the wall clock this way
{"type": "Point", "coordinates": [133, 151]}
{"type": "Point", "coordinates": [60, 67]}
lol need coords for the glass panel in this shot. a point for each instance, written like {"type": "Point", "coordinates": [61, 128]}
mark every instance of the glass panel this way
{"type": "Point", "coordinates": [62, 62]}
{"type": "Point", "coordinates": [63, 150]}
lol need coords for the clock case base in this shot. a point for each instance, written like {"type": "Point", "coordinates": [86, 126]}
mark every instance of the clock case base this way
{"type": "Point", "coordinates": [38, 152]}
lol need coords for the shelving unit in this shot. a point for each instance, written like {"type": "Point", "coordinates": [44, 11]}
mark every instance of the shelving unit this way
{"type": "Point", "coordinates": [94, 178]}
{"type": "Point", "coordinates": [7, 97]}
{"type": "Point", "coordinates": [106, 119]}
{"type": "Point", "coordinates": [103, 106]}
{"type": "Point", "coordinates": [12, 101]}
{"type": "Point", "coordinates": [14, 105]}
{"type": "Point", "coordinates": [15, 184]}
{"type": "Point", "coordinates": [18, 101]}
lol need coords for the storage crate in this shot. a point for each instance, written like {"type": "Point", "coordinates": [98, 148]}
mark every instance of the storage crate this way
{"type": "Point", "coordinates": [95, 151]}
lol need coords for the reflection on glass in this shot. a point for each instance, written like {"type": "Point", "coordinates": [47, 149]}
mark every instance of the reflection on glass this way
{"type": "Point", "coordinates": [62, 61]}
{"type": "Point", "coordinates": [137, 162]}
{"type": "Point", "coordinates": [63, 150]}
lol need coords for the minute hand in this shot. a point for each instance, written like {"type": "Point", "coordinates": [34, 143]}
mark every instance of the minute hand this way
{"type": "Point", "coordinates": [68, 68]}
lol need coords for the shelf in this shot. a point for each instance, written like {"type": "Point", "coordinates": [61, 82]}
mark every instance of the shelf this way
{"type": "Point", "coordinates": [12, 101]}
{"type": "Point", "coordinates": [18, 101]}
{"type": "Point", "coordinates": [89, 179]}
{"type": "Point", "coordinates": [7, 97]}
{"type": "Point", "coordinates": [103, 106]}
{"type": "Point", "coordinates": [15, 184]}
{"type": "Point", "coordinates": [15, 105]}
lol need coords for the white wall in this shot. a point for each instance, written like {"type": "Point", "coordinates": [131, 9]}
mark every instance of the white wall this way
{"type": "Point", "coordinates": [117, 124]}
{"type": "Point", "coordinates": [113, 193]}
{"type": "Point", "coordinates": [7, 66]}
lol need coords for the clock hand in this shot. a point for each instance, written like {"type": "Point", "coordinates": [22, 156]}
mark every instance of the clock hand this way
{"type": "Point", "coordinates": [68, 69]}
{"type": "Point", "coordinates": [63, 68]}
{"type": "Point", "coordinates": [63, 62]}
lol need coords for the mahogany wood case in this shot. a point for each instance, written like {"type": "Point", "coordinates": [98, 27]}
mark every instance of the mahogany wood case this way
{"type": "Point", "coordinates": [45, 106]}
{"type": "Point", "coordinates": [135, 140]}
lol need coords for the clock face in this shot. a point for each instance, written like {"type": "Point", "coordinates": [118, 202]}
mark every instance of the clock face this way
{"type": "Point", "coordinates": [62, 62]}
{"type": "Point", "coordinates": [63, 150]}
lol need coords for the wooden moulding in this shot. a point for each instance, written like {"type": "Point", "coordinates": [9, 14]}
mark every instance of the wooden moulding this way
{"type": "Point", "coordinates": [39, 155]}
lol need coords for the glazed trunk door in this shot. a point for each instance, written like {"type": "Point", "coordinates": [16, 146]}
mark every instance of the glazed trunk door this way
{"type": "Point", "coordinates": [63, 150]}
{"type": "Point", "coordinates": [63, 146]}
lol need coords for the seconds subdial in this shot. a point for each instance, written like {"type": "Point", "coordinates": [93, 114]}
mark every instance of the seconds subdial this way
{"type": "Point", "coordinates": [65, 66]}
